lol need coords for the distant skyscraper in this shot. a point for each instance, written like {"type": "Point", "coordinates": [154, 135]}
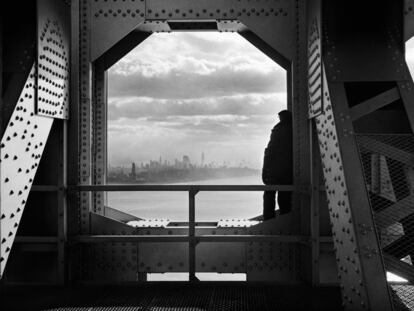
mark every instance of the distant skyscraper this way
{"type": "Point", "coordinates": [133, 173]}
{"type": "Point", "coordinates": [186, 161]}
{"type": "Point", "coordinates": [202, 158]}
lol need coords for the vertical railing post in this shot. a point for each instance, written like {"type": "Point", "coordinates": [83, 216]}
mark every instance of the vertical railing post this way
{"type": "Point", "coordinates": [191, 235]}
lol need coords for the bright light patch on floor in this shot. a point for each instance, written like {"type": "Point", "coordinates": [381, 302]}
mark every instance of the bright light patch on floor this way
{"type": "Point", "coordinates": [203, 276]}
{"type": "Point", "coordinates": [206, 276]}
{"type": "Point", "coordinates": [391, 277]}
{"type": "Point", "coordinates": [166, 277]}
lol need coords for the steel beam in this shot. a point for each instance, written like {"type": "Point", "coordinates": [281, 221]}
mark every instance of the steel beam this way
{"type": "Point", "coordinates": [99, 134]}
{"type": "Point", "coordinates": [89, 239]}
{"type": "Point", "coordinates": [52, 63]}
{"type": "Point", "coordinates": [153, 15]}
{"type": "Point", "coordinates": [375, 103]}
{"type": "Point", "coordinates": [73, 159]}
{"type": "Point", "coordinates": [85, 113]}
{"type": "Point", "coordinates": [110, 22]}
{"type": "Point", "coordinates": [353, 263]}
{"type": "Point", "coordinates": [22, 147]}
{"type": "Point", "coordinates": [361, 269]}
{"type": "Point", "coordinates": [121, 48]}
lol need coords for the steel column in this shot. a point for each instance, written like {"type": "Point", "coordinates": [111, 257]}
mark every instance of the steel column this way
{"type": "Point", "coordinates": [85, 118]}
{"type": "Point", "coordinates": [99, 135]}
{"type": "Point", "coordinates": [363, 275]}
{"type": "Point", "coordinates": [301, 141]}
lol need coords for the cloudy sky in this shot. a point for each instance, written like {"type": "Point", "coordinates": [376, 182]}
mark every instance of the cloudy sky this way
{"type": "Point", "coordinates": [187, 93]}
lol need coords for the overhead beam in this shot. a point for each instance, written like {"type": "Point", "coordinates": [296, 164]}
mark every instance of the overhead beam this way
{"type": "Point", "coordinates": [375, 103]}
{"type": "Point", "coordinates": [184, 238]}
{"type": "Point", "coordinates": [122, 48]}
{"type": "Point", "coordinates": [266, 49]}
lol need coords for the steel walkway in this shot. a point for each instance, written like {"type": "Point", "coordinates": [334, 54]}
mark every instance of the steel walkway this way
{"type": "Point", "coordinates": [169, 297]}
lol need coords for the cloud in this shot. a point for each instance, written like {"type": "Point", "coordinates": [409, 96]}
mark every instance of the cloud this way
{"type": "Point", "coordinates": [202, 81]}
{"type": "Point", "coordinates": [137, 107]}
{"type": "Point", "coordinates": [166, 65]}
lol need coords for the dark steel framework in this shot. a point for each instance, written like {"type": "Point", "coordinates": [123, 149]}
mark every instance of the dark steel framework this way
{"type": "Point", "coordinates": [351, 95]}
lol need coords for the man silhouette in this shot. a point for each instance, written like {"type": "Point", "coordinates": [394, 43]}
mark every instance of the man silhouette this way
{"type": "Point", "coordinates": [278, 166]}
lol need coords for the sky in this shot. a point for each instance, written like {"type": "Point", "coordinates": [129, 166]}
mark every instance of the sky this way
{"type": "Point", "coordinates": [186, 93]}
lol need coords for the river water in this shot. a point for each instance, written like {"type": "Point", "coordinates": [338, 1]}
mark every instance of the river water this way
{"type": "Point", "coordinates": [210, 206]}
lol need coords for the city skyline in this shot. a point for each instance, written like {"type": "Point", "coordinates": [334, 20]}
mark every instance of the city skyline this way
{"type": "Point", "coordinates": [203, 161]}
{"type": "Point", "coordinates": [182, 93]}
{"type": "Point", "coordinates": [162, 170]}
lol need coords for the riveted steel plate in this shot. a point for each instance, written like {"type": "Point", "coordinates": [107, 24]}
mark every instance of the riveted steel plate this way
{"type": "Point", "coordinates": [265, 9]}
{"type": "Point", "coordinates": [355, 55]}
{"type": "Point", "coordinates": [162, 257]}
{"type": "Point", "coordinates": [355, 241]}
{"type": "Point", "coordinates": [21, 150]}
{"type": "Point", "coordinates": [273, 261]}
{"type": "Point", "coordinates": [228, 257]}
{"type": "Point", "coordinates": [149, 223]}
{"type": "Point", "coordinates": [314, 69]}
{"type": "Point", "coordinates": [53, 59]}
{"type": "Point", "coordinates": [217, 257]}
{"type": "Point", "coordinates": [189, 9]}
{"type": "Point", "coordinates": [99, 130]}
{"type": "Point", "coordinates": [236, 223]}
{"type": "Point", "coordinates": [112, 261]}
{"type": "Point", "coordinates": [110, 21]}
{"type": "Point", "coordinates": [349, 266]}
{"type": "Point", "coordinates": [273, 21]}
{"type": "Point", "coordinates": [85, 114]}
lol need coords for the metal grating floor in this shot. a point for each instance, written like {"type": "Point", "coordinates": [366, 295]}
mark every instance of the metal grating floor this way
{"type": "Point", "coordinates": [172, 298]}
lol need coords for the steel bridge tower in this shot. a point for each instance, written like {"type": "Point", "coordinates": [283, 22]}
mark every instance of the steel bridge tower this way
{"type": "Point", "coordinates": [352, 99]}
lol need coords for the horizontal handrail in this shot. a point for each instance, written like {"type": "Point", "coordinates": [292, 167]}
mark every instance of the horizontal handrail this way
{"type": "Point", "coordinates": [86, 239]}
{"type": "Point", "coordinates": [45, 188]}
{"type": "Point", "coordinates": [135, 187]}
{"type": "Point", "coordinates": [36, 239]}
{"type": "Point", "coordinates": [191, 238]}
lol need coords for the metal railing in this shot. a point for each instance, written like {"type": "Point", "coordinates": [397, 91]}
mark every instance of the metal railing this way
{"type": "Point", "coordinates": [191, 238]}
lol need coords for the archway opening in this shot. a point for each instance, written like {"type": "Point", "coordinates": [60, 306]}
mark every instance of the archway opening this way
{"type": "Point", "coordinates": [191, 108]}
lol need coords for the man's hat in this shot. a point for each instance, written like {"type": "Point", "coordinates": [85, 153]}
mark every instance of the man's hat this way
{"type": "Point", "coordinates": [285, 115]}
